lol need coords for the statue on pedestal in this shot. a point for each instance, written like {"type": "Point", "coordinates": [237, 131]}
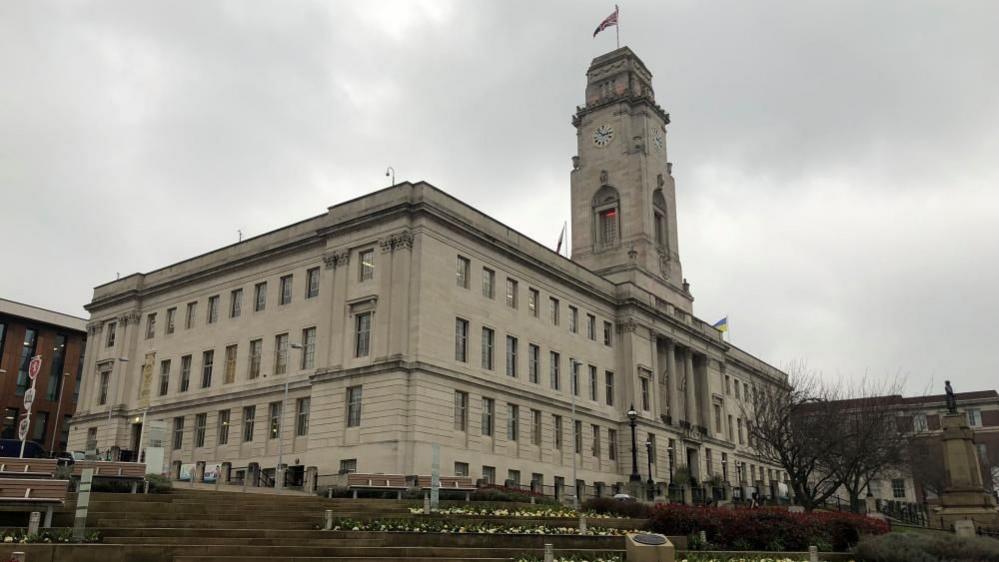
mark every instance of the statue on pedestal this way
{"type": "Point", "coordinates": [951, 399]}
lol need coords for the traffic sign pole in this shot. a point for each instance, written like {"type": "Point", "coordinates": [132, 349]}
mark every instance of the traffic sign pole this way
{"type": "Point", "coordinates": [34, 367]}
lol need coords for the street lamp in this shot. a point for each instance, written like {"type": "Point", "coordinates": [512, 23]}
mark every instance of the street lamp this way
{"type": "Point", "coordinates": [648, 454]}
{"type": "Point", "coordinates": [110, 400]}
{"type": "Point", "coordinates": [632, 416]}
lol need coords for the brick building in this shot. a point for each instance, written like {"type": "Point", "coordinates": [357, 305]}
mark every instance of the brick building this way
{"type": "Point", "coordinates": [26, 331]}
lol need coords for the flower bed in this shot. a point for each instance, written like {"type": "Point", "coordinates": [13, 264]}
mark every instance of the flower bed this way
{"type": "Point", "coordinates": [443, 526]}
{"type": "Point", "coordinates": [764, 529]}
{"type": "Point", "coordinates": [695, 558]}
{"type": "Point", "coordinates": [493, 511]}
{"type": "Point", "coordinates": [605, 557]}
{"type": "Point", "coordinates": [20, 536]}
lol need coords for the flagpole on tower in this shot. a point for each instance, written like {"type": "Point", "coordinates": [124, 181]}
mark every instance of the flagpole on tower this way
{"type": "Point", "coordinates": [617, 28]}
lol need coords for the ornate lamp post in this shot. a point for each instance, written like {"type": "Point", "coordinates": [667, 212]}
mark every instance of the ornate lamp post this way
{"type": "Point", "coordinates": [651, 483]}
{"type": "Point", "coordinates": [671, 460]}
{"type": "Point", "coordinates": [739, 467]}
{"type": "Point", "coordinates": [632, 416]}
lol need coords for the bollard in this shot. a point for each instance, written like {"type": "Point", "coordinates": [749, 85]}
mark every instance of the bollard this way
{"type": "Point", "coordinates": [329, 492]}
{"type": "Point", "coordinates": [582, 523]}
{"type": "Point", "coordinates": [549, 553]}
{"type": "Point", "coordinates": [426, 504]}
{"type": "Point", "coordinates": [813, 554]}
{"type": "Point", "coordinates": [145, 487]}
{"type": "Point", "coordinates": [82, 503]}
{"type": "Point", "coordinates": [33, 522]}
{"type": "Point", "coordinates": [19, 557]}
{"type": "Point", "coordinates": [532, 500]}
{"type": "Point", "coordinates": [704, 537]}
{"type": "Point", "coordinates": [329, 520]}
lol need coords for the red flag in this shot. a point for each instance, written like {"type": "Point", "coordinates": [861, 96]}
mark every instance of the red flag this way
{"type": "Point", "coordinates": [608, 21]}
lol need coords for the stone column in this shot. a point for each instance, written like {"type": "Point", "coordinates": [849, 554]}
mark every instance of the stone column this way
{"type": "Point", "coordinates": [690, 388]}
{"type": "Point", "coordinates": [225, 473]}
{"type": "Point", "coordinates": [673, 382]}
{"type": "Point", "coordinates": [199, 472]}
{"type": "Point", "coordinates": [311, 477]}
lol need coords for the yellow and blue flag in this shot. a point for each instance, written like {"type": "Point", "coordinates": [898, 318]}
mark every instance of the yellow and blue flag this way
{"type": "Point", "coordinates": [721, 325]}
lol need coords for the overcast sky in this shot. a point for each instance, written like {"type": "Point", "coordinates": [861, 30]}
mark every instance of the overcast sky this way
{"type": "Point", "coordinates": [836, 162]}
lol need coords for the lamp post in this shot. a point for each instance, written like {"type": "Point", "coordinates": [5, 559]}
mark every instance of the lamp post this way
{"type": "Point", "coordinates": [111, 403]}
{"type": "Point", "coordinates": [739, 468]}
{"type": "Point", "coordinates": [669, 450]}
{"type": "Point", "coordinates": [648, 454]}
{"type": "Point", "coordinates": [574, 383]}
{"type": "Point", "coordinates": [62, 386]}
{"type": "Point", "coordinates": [632, 416]}
{"type": "Point", "coordinates": [279, 470]}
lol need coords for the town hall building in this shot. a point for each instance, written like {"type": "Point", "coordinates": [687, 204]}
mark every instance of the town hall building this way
{"type": "Point", "coordinates": [406, 318]}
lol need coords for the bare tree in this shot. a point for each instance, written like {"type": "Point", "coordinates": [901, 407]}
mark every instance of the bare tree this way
{"type": "Point", "coordinates": [794, 426]}
{"type": "Point", "coordinates": [927, 466]}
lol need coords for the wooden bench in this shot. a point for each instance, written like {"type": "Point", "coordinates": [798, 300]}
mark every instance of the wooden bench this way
{"type": "Point", "coordinates": [449, 483]}
{"type": "Point", "coordinates": [30, 492]}
{"type": "Point", "coordinates": [381, 482]}
{"type": "Point", "coordinates": [111, 470]}
{"type": "Point", "coordinates": [27, 468]}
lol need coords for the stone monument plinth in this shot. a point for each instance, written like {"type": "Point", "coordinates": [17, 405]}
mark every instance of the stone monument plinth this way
{"type": "Point", "coordinates": [964, 496]}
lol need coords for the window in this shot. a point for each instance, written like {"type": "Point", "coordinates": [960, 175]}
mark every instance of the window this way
{"type": "Point", "coordinates": [284, 295]}
{"type": "Point", "coordinates": [553, 304]}
{"type": "Point", "coordinates": [608, 330]}
{"type": "Point", "coordinates": [593, 383]}
{"type": "Point", "coordinates": [659, 216]}
{"type": "Point", "coordinates": [192, 310]}
{"type": "Point", "coordinates": [312, 283]}
{"type": "Point", "coordinates": [535, 427]}
{"type": "Point", "coordinates": [651, 440]}
{"type": "Point", "coordinates": [595, 448]}
{"type": "Point", "coordinates": [724, 464]}
{"type": "Point", "coordinates": [223, 430]}
{"type": "Point", "coordinates": [898, 488]}
{"type": "Point", "coordinates": [164, 377]}
{"type": "Point", "coordinates": [105, 381]}
{"type": "Point", "coordinates": [150, 325]}
{"type": "Point", "coordinates": [488, 283]}
{"type": "Point", "coordinates": [591, 327]}
{"type": "Point", "coordinates": [353, 406]}
{"type": "Point", "coordinates": [609, 387]}
{"type": "Point", "coordinates": [230, 364]}
{"type": "Point", "coordinates": [461, 469]}
{"type": "Point", "coordinates": [488, 416]}
{"type": "Point", "coordinates": [112, 332]}
{"type": "Point", "coordinates": [260, 296]}
{"type": "Point", "coordinates": [718, 418]}
{"type": "Point", "coordinates": [731, 427]}
{"type": "Point", "coordinates": [308, 360]}
{"type": "Point", "coordinates": [249, 413]}
{"type": "Point", "coordinates": [348, 466]}
{"type": "Point", "coordinates": [574, 376]}
{"type": "Point", "coordinates": [737, 393]}
{"type": "Point", "coordinates": [367, 265]}
{"type": "Point", "coordinates": [91, 438]}
{"type": "Point", "coordinates": [274, 414]}
{"type": "Point", "coordinates": [556, 376]}
{"type": "Point", "coordinates": [213, 309]}
{"type": "Point", "coordinates": [207, 363]}
{"type": "Point", "coordinates": [577, 436]}
{"type": "Point", "coordinates": [40, 426]}
{"type": "Point", "coordinates": [532, 302]}
{"type": "Point", "coordinates": [513, 476]}
{"type": "Point", "coordinates": [557, 430]}
{"type": "Point", "coordinates": [512, 422]}
{"type": "Point", "coordinates": [709, 462]}
{"type": "Point", "coordinates": [533, 362]}
{"type": "Point", "coordinates": [974, 417]}
{"type": "Point", "coordinates": [235, 303]}
{"type": "Point", "coordinates": [460, 340]}
{"type": "Point", "coordinates": [919, 423]}
{"type": "Point", "coordinates": [185, 372]}
{"type": "Point", "coordinates": [488, 336]}
{"type": "Point", "coordinates": [280, 354]}
{"type": "Point", "coordinates": [573, 319]}
{"type": "Point", "coordinates": [27, 352]}
{"type": "Point", "coordinates": [738, 422]}
{"type": "Point", "coordinates": [511, 356]}
{"type": "Point", "coordinates": [461, 272]}
{"type": "Point", "coordinates": [178, 432]}
{"type": "Point", "coordinates": [745, 391]}
{"type": "Point", "coordinates": [171, 319]}
{"type": "Point", "coordinates": [56, 366]}
{"type": "Point", "coordinates": [728, 385]}
{"type": "Point", "coordinates": [489, 474]}
{"type": "Point", "coordinates": [362, 334]}
{"type": "Point", "coordinates": [256, 349]}
{"type": "Point", "coordinates": [460, 410]}
{"type": "Point", "coordinates": [200, 423]}
{"type": "Point", "coordinates": [608, 227]}
{"type": "Point", "coordinates": [511, 293]}
{"type": "Point", "coordinates": [302, 416]}
{"type": "Point", "coordinates": [612, 444]}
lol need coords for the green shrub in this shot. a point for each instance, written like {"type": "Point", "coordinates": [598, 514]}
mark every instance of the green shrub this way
{"type": "Point", "coordinates": [159, 484]}
{"type": "Point", "coordinates": [501, 494]}
{"type": "Point", "coordinates": [611, 506]}
{"type": "Point", "coordinates": [922, 547]}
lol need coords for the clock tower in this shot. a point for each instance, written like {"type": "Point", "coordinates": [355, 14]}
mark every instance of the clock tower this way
{"type": "Point", "coordinates": [623, 194]}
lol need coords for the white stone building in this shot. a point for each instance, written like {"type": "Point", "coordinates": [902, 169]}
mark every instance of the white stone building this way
{"type": "Point", "coordinates": [422, 320]}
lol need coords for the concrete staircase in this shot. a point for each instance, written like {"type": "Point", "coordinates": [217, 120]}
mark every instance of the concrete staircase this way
{"type": "Point", "coordinates": [206, 526]}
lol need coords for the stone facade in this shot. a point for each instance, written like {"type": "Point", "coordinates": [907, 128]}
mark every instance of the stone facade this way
{"type": "Point", "coordinates": [442, 326]}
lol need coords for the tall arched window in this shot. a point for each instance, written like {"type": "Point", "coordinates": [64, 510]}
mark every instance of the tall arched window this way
{"type": "Point", "coordinates": [606, 210]}
{"type": "Point", "coordinates": [659, 216]}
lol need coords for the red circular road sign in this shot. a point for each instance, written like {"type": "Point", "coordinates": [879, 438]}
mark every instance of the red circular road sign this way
{"type": "Point", "coordinates": [35, 366]}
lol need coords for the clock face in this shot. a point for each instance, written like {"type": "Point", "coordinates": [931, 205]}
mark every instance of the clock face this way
{"type": "Point", "coordinates": [657, 138]}
{"type": "Point", "coordinates": [603, 135]}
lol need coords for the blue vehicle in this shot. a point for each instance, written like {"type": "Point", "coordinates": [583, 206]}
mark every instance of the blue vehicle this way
{"type": "Point", "coordinates": [12, 448]}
